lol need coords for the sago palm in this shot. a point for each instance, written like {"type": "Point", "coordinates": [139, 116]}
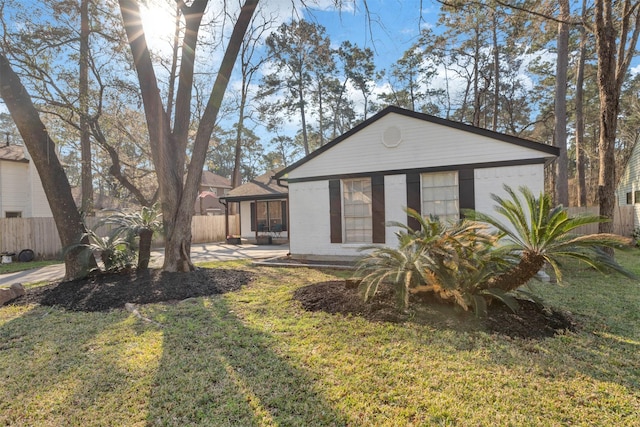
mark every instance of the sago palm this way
{"type": "Point", "coordinates": [142, 224]}
{"type": "Point", "coordinates": [448, 261]}
{"type": "Point", "coordinates": [403, 267]}
{"type": "Point", "coordinates": [538, 233]}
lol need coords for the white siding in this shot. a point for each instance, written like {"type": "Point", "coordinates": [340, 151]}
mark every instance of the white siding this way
{"type": "Point", "coordinates": [21, 189]}
{"type": "Point", "coordinates": [39, 203]}
{"type": "Point", "coordinates": [491, 180]}
{"type": "Point", "coordinates": [14, 188]}
{"type": "Point", "coordinates": [245, 223]}
{"type": "Point", "coordinates": [310, 227]}
{"type": "Point", "coordinates": [309, 207]}
{"type": "Point", "coordinates": [395, 199]}
{"type": "Point", "coordinates": [424, 144]}
{"type": "Point", "coordinates": [630, 182]}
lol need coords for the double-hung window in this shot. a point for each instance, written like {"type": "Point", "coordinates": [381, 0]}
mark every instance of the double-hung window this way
{"type": "Point", "coordinates": [357, 208]}
{"type": "Point", "coordinates": [440, 196]}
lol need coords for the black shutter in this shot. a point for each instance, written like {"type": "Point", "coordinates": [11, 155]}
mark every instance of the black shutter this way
{"type": "Point", "coordinates": [413, 198]}
{"type": "Point", "coordinates": [253, 216]}
{"type": "Point", "coordinates": [378, 211]}
{"type": "Point", "coordinates": [283, 209]}
{"type": "Point", "coordinates": [466, 189]}
{"type": "Point", "coordinates": [335, 211]}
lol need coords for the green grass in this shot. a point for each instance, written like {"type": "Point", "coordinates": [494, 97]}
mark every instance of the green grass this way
{"type": "Point", "coordinates": [256, 358]}
{"type": "Point", "coordinates": [21, 266]}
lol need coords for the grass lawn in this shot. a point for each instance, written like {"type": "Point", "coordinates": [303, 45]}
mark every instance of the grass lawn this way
{"type": "Point", "coordinates": [256, 358]}
{"type": "Point", "coordinates": [21, 266]}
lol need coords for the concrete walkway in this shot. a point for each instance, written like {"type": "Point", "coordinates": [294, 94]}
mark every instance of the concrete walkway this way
{"type": "Point", "coordinates": [200, 252]}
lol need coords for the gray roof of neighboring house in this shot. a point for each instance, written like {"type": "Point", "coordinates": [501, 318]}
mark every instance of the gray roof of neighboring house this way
{"type": "Point", "coordinates": [13, 153]}
{"type": "Point", "coordinates": [210, 179]}
{"type": "Point", "coordinates": [261, 187]}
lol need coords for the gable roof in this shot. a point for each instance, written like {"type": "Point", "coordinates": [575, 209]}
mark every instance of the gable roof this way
{"type": "Point", "coordinates": [210, 179]}
{"type": "Point", "coordinates": [548, 150]}
{"type": "Point", "coordinates": [264, 186]}
{"type": "Point", "coordinates": [13, 153]}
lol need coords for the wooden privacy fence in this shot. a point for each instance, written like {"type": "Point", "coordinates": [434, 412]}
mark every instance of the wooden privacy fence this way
{"type": "Point", "coordinates": [41, 234]}
{"type": "Point", "coordinates": [623, 219]}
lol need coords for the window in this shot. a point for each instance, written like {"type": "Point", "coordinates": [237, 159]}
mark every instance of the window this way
{"type": "Point", "coordinates": [275, 214]}
{"type": "Point", "coordinates": [269, 216]}
{"type": "Point", "coordinates": [629, 199]}
{"type": "Point", "coordinates": [440, 196]}
{"type": "Point", "coordinates": [8, 214]}
{"type": "Point", "coordinates": [636, 197]}
{"type": "Point", "coordinates": [357, 208]}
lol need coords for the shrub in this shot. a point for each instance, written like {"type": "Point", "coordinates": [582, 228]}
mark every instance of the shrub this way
{"type": "Point", "coordinates": [635, 235]}
{"type": "Point", "coordinates": [114, 250]}
{"type": "Point", "coordinates": [142, 224]}
{"type": "Point", "coordinates": [480, 259]}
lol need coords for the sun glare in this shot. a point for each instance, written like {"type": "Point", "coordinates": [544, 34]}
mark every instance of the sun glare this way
{"type": "Point", "coordinates": [158, 20]}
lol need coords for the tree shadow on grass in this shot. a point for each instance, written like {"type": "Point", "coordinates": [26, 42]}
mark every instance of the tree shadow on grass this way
{"type": "Point", "coordinates": [68, 368]}
{"type": "Point", "coordinates": [215, 371]}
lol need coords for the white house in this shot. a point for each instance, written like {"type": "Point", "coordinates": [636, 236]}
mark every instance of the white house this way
{"type": "Point", "coordinates": [262, 206]}
{"type": "Point", "coordinates": [342, 195]}
{"type": "Point", "coordinates": [628, 189]}
{"type": "Point", "coordinates": [21, 192]}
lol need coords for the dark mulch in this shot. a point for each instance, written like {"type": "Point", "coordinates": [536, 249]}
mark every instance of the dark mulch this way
{"type": "Point", "coordinates": [531, 321]}
{"type": "Point", "coordinates": [103, 292]}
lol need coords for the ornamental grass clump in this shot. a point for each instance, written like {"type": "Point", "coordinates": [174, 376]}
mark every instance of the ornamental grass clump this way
{"type": "Point", "coordinates": [479, 259]}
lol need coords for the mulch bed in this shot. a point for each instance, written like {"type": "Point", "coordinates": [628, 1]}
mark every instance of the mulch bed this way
{"type": "Point", "coordinates": [531, 321]}
{"type": "Point", "coordinates": [103, 292]}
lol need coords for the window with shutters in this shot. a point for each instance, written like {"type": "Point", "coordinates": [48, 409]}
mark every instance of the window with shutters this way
{"type": "Point", "coordinates": [269, 216]}
{"type": "Point", "coordinates": [357, 210]}
{"type": "Point", "coordinates": [440, 196]}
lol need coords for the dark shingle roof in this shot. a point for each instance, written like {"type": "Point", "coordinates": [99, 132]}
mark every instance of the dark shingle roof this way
{"type": "Point", "coordinates": [263, 186]}
{"type": "Point", "coordinates": [210, 179]}
{"type": "Point", "coordinates": [13, 153]}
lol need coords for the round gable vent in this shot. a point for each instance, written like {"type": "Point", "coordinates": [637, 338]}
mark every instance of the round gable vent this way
{"type": "Point", "coordinates": [392, 137]}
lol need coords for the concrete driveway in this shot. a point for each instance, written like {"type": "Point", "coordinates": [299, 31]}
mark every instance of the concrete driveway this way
{"type": "Point", "coordinates": [200, 252]}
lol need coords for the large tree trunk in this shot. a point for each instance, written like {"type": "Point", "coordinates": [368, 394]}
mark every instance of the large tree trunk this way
{"type": "Point", "coordinates": [85, 136]}
{"type": "Point", "coordinates": [43, 153]}
{"type": "Point", "coordinates": [580, 156]}
{"type": "Point", "coordinates": [560, 131]}
{"type": "Point", "coordinates": [614, 58]}
{"type": "Point", "coordinates": [303, 118]}
{"type": "Point", "coordinates": [144, 250]}
{"type": "Point", "coordinates": [169, 148]}
{"type": "Point", "coordinates": [496, 71]}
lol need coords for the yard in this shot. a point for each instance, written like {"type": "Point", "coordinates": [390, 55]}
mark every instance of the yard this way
{"type": "Point", "coordinates": [255, 356]}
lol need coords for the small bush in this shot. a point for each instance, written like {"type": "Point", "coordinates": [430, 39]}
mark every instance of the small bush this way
{"type": "Point", "coordinates": [480, 259]}
{"type": "Point", "coordinates": [635, 235]}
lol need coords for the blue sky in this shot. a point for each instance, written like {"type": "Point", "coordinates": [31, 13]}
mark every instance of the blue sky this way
{"type": "Point", "coordinates": [392, 28]}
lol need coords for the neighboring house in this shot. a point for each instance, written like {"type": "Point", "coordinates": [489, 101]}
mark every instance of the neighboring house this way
{"type": "Point", "coordinates": [263, 207]}
{"type": "Point", "coordinates": [21, 192]}
{"type": "Point", "coordinates": [212, 187]}
{"type": "Point", "coordinates": [628, 189]}
{"type": "Point", "coordinates": [342, 195]}
{"type": "Point", "coordinates": [105, 203]}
